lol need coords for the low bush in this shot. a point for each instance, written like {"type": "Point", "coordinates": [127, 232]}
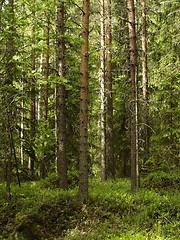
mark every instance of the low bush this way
{"type": "Point", "coordinates": [162, 180]}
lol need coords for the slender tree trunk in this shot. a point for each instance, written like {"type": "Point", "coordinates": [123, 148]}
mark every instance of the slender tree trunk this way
{"type": "Point", "coordinates": [33, 102]}
{"type": "Point", "coordinates": [61, 101]}
{"type": "Point", "coordinates": [9, 101]}
{"type": "Point", "coordinates": [55, 64]}
{"type": "Point", "coordinates": [134, 111]}
{"type": "Point", "coordinates": [110, 134]}
{"type": "Point", "coordinates": [145, 82]}
{"type": "Point", "coordinates": [102, 93]}
{"type": "Point", "coordinates": [46, 95]}
{"type": "Point", "coordinates": [39, 92]}
{"type": "Point", "coordinates": [1, 6]}
{"type": "Point", "coordinates": [83, 154]}
{"type": "Point", "coordinates": [47, 66]}
{"type": "Point", "coordinates": [12, 147]}
{"type": "Point", "coordinates": [22, 160]}
{"type": "Point", "coordinates": [22, 125]}
{"type": "Point", "coordinates": [9, 160]}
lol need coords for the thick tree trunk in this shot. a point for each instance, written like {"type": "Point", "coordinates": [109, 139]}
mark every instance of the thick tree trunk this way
{"type": "Point", "coordinates": [102, 93]}
{"type": "Point", "coordinates": [145, 82]}
{"type": "Point", "coordinates": [61, 102]}
{"type": "Point", "coordinates": [134, 111]}
{"type": "Point", "coordinates": [83, 154]}
{"type": "Point", "coordinates": [110, 134]}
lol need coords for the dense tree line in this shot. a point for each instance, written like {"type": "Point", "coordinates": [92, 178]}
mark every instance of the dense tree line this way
{"type": "Point", "coordinates": [88, 88]}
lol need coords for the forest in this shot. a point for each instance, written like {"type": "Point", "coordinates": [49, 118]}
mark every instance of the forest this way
{"type": "Point", "coordinates": [89, 119]}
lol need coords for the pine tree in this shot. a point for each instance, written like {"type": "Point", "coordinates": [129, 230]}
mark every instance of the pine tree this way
{"type": "Point", "coordinates": [61, 100]}
{"type": "Point", "coordinates": [110, 132]}
{"type": "Point", "coordinates": [134, 112]}
{"type": "Point", "coordinates": [83, 153]}
{"type": "Point", "coordinates": [145, 82]}
{"type": "Point", "coordinates": [33, 97]}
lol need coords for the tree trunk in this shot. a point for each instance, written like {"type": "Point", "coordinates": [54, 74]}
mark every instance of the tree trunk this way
{"type": "Point", "coordinates": [9, 101]}
{"type": "Point", "coordinates": [83, 154]}
{"type": "Point", "coordinates": [47, 66]}
{"type": "Point", "coordinates": [134, 112]}
{"type": "Point", "coordinates": [9, 157]}
{"type": "Point", "coordinates": [110, 134]}
{"type": "Point", "coordinates": [102, 93]}
{"type": "Point", "coordinates": [61, 102]}
{"type": "Point", "coordinates": [43, 169]}
{"type": "Point", "coordinates": [22, 129]}
{"type": "Point", "coordinates": [145, 82]}
{"type": "Point", "coordinates": [33, 101]}
{"type": "Point", "coordinates": [1, 6]}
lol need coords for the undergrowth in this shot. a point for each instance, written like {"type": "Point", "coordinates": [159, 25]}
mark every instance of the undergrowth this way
{"type": "Point", "coordinates": [39, 210]}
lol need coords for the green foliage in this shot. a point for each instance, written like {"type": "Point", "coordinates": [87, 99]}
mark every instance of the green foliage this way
{"type": "Point", "coordinates": [138, 236]}
{"type": "Point", "coordinates": [112, 212]}
{"type": "Point", "coordinates": [162, 180]}
{"type": "Point", "coordinates": [50, 182]}
{"type": "Point", "coordinates": [164, 81]}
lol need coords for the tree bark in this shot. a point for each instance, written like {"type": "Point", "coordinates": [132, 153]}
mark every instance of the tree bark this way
{"type": "Point", "coordinates": [1, 6]}
{"type": "Point", "coordinates": [110, 133]}
{"type": "Point", "coordinates": [33, 100]}
{"type": "Point", "coordinates": [43, 168]}
{"type": "Point", "coordinates": [9, 102]}
{"type": "Point", "coordinates": [102, 92]}
{"type": "Point", "coordinates": [83, 153]}
{"type": "Point", "coordinates": [47, 66]}
{"type": "Point", "coordinates": [61, 101]}
{"type": "Point", "coordinates": [134, 110]}
{"type": "Point", "coordinates": [145, 82]}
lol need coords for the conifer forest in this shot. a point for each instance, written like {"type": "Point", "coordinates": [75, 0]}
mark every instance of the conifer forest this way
{"type": "Point", "coordinates": [90, 119]}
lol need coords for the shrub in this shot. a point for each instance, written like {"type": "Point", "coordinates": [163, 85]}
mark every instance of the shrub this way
{"type": "Point", "coordinates": [162, 180]}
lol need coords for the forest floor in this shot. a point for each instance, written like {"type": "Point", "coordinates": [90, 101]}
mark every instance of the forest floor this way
{"type": "Point", "coordinates": [39, 210]}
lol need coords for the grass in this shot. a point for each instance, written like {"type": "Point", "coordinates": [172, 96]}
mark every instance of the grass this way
{"type": "Point", "coordinates": [39, 210]}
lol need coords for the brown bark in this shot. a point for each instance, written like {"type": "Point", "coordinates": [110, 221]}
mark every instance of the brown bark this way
{"type": "Point", "coordinates": [145, 82]}
{"type": "Point", "coordinates": [43, 169]}
{"type": "Point", "coordinates": [83, 154]}
{"type": "Point", "coordinates": [61, 101]}
{"type": "Point", "coordinates": [102, 93]}
{"type": "Point", "coordinates": [110, 134]}
{"type": "Point", "coordinates": [10, 71]}
{"type": "Point", "coordinates": [133, 76]}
